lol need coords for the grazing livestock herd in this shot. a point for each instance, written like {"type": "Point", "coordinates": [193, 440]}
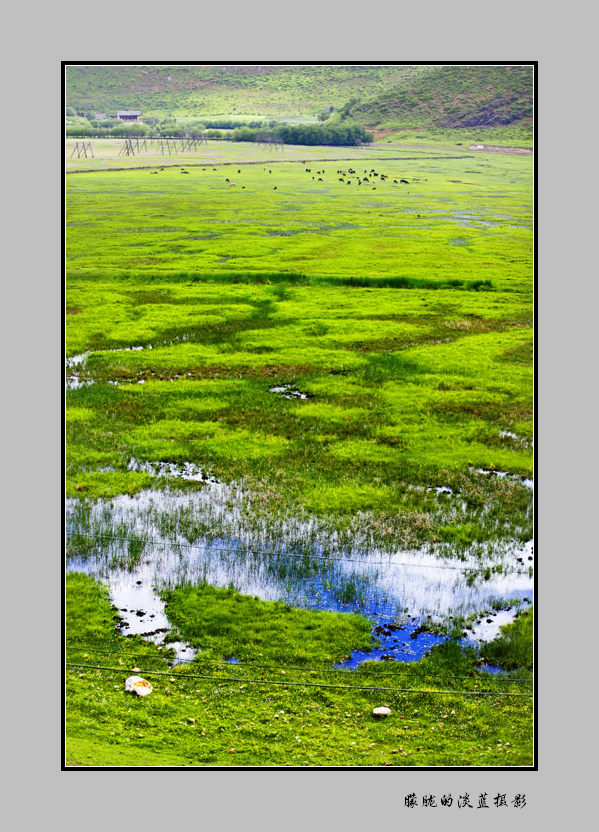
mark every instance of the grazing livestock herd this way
{"type": "Point", "coordinates": [346, 177]}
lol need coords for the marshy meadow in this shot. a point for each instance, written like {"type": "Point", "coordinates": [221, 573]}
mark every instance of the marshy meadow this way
{"type": "Point", "coordinates": [299, 455]}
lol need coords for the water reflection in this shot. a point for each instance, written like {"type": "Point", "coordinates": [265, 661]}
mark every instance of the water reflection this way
{"type": "Point", "coordinates": [141, 545]}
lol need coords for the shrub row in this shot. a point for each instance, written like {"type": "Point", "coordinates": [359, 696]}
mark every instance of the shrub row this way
{"type": "Point", "coordinates": [305, 134]}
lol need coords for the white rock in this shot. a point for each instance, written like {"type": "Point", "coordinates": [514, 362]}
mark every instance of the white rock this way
{"type": "Point", "coordinates": [381, 712]}
{"type": "Point", "coordinates": [135, 684]}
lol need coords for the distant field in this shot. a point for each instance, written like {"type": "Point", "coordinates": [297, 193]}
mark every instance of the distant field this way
{"type": "Point", "coordinates": [107, 154]}
{"type": "Point", "coordinates": [510, 136]}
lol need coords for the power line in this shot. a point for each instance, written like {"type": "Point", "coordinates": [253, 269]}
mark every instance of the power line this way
{"type": "Point", "coordinates": [247, 549]}
{"type": "Point", "coordinates": [271, 682]}
{"type": "Point", "coordinates": [398, 671]}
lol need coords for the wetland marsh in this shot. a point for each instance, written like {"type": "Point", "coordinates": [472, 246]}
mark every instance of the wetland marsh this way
{"type": "Point", "coordinates": [312, 388]}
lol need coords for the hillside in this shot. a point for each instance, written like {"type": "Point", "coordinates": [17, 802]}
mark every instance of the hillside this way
{"type": "Point", "coordinates": [241, 90]}
{"type": "Point", "coordinates": [452, 97]}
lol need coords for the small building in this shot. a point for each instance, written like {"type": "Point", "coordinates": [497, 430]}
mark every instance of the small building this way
{"type": "Point", "coordinates": [128, 115]}
{"type": "Point", "coordinates": [100, 116]}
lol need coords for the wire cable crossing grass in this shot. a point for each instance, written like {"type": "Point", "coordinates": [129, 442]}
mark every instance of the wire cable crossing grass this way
{"type": "Point", "coordinates": [268, 682]}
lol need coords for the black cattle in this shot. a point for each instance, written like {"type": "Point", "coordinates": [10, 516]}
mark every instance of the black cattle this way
{"type": "Point", "coordinates": [404, 181]}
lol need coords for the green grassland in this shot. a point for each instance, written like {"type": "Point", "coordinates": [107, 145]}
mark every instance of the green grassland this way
{"type": "Point", "coordinates": [404, 312]}
{"type": "Point", "coordinates": [301, 712]}
{"type": "Point", "coordinates": [162, 224]}
{"type": "Point", "coordinates": [520, 134]}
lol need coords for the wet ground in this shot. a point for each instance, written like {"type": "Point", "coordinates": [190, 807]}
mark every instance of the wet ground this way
{"type": "Point", "coordinates": [288, 392]}
{"type": "Point", "coordinates": [141, 612]}
{"type": "Point", "coordinates": [406, 594]}
{"type": "Point", "coordinates": [76, 365]}
{"type": "Point", "coordinates": [528, 483]}
{"type": "Point", "coordinates": [171, 470]}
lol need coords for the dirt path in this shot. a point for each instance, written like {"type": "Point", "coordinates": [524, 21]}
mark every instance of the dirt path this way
{"type": "Point", "coordinates": [477, 148]}
{"type": "Point", "coordinates": [491, 148]}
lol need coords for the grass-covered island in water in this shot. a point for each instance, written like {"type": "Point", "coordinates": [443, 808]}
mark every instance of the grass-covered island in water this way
{"type": "Point", "coordinates": [299, 437]}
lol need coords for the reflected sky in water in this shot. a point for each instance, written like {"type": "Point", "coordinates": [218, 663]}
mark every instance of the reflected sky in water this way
{"type": "Point", "coordinates": [143, 550]}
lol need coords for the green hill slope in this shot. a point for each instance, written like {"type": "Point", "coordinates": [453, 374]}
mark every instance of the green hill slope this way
{"type": "Point", "coordinates": [450, 97]}
{"type": "Point", "coordinates": [197, 90]}
{"type": "Point", "coordinates": [497, 99]}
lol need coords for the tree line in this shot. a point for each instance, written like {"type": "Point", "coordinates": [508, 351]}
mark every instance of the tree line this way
{"type": "Point", "coordinates": [305, 134]}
